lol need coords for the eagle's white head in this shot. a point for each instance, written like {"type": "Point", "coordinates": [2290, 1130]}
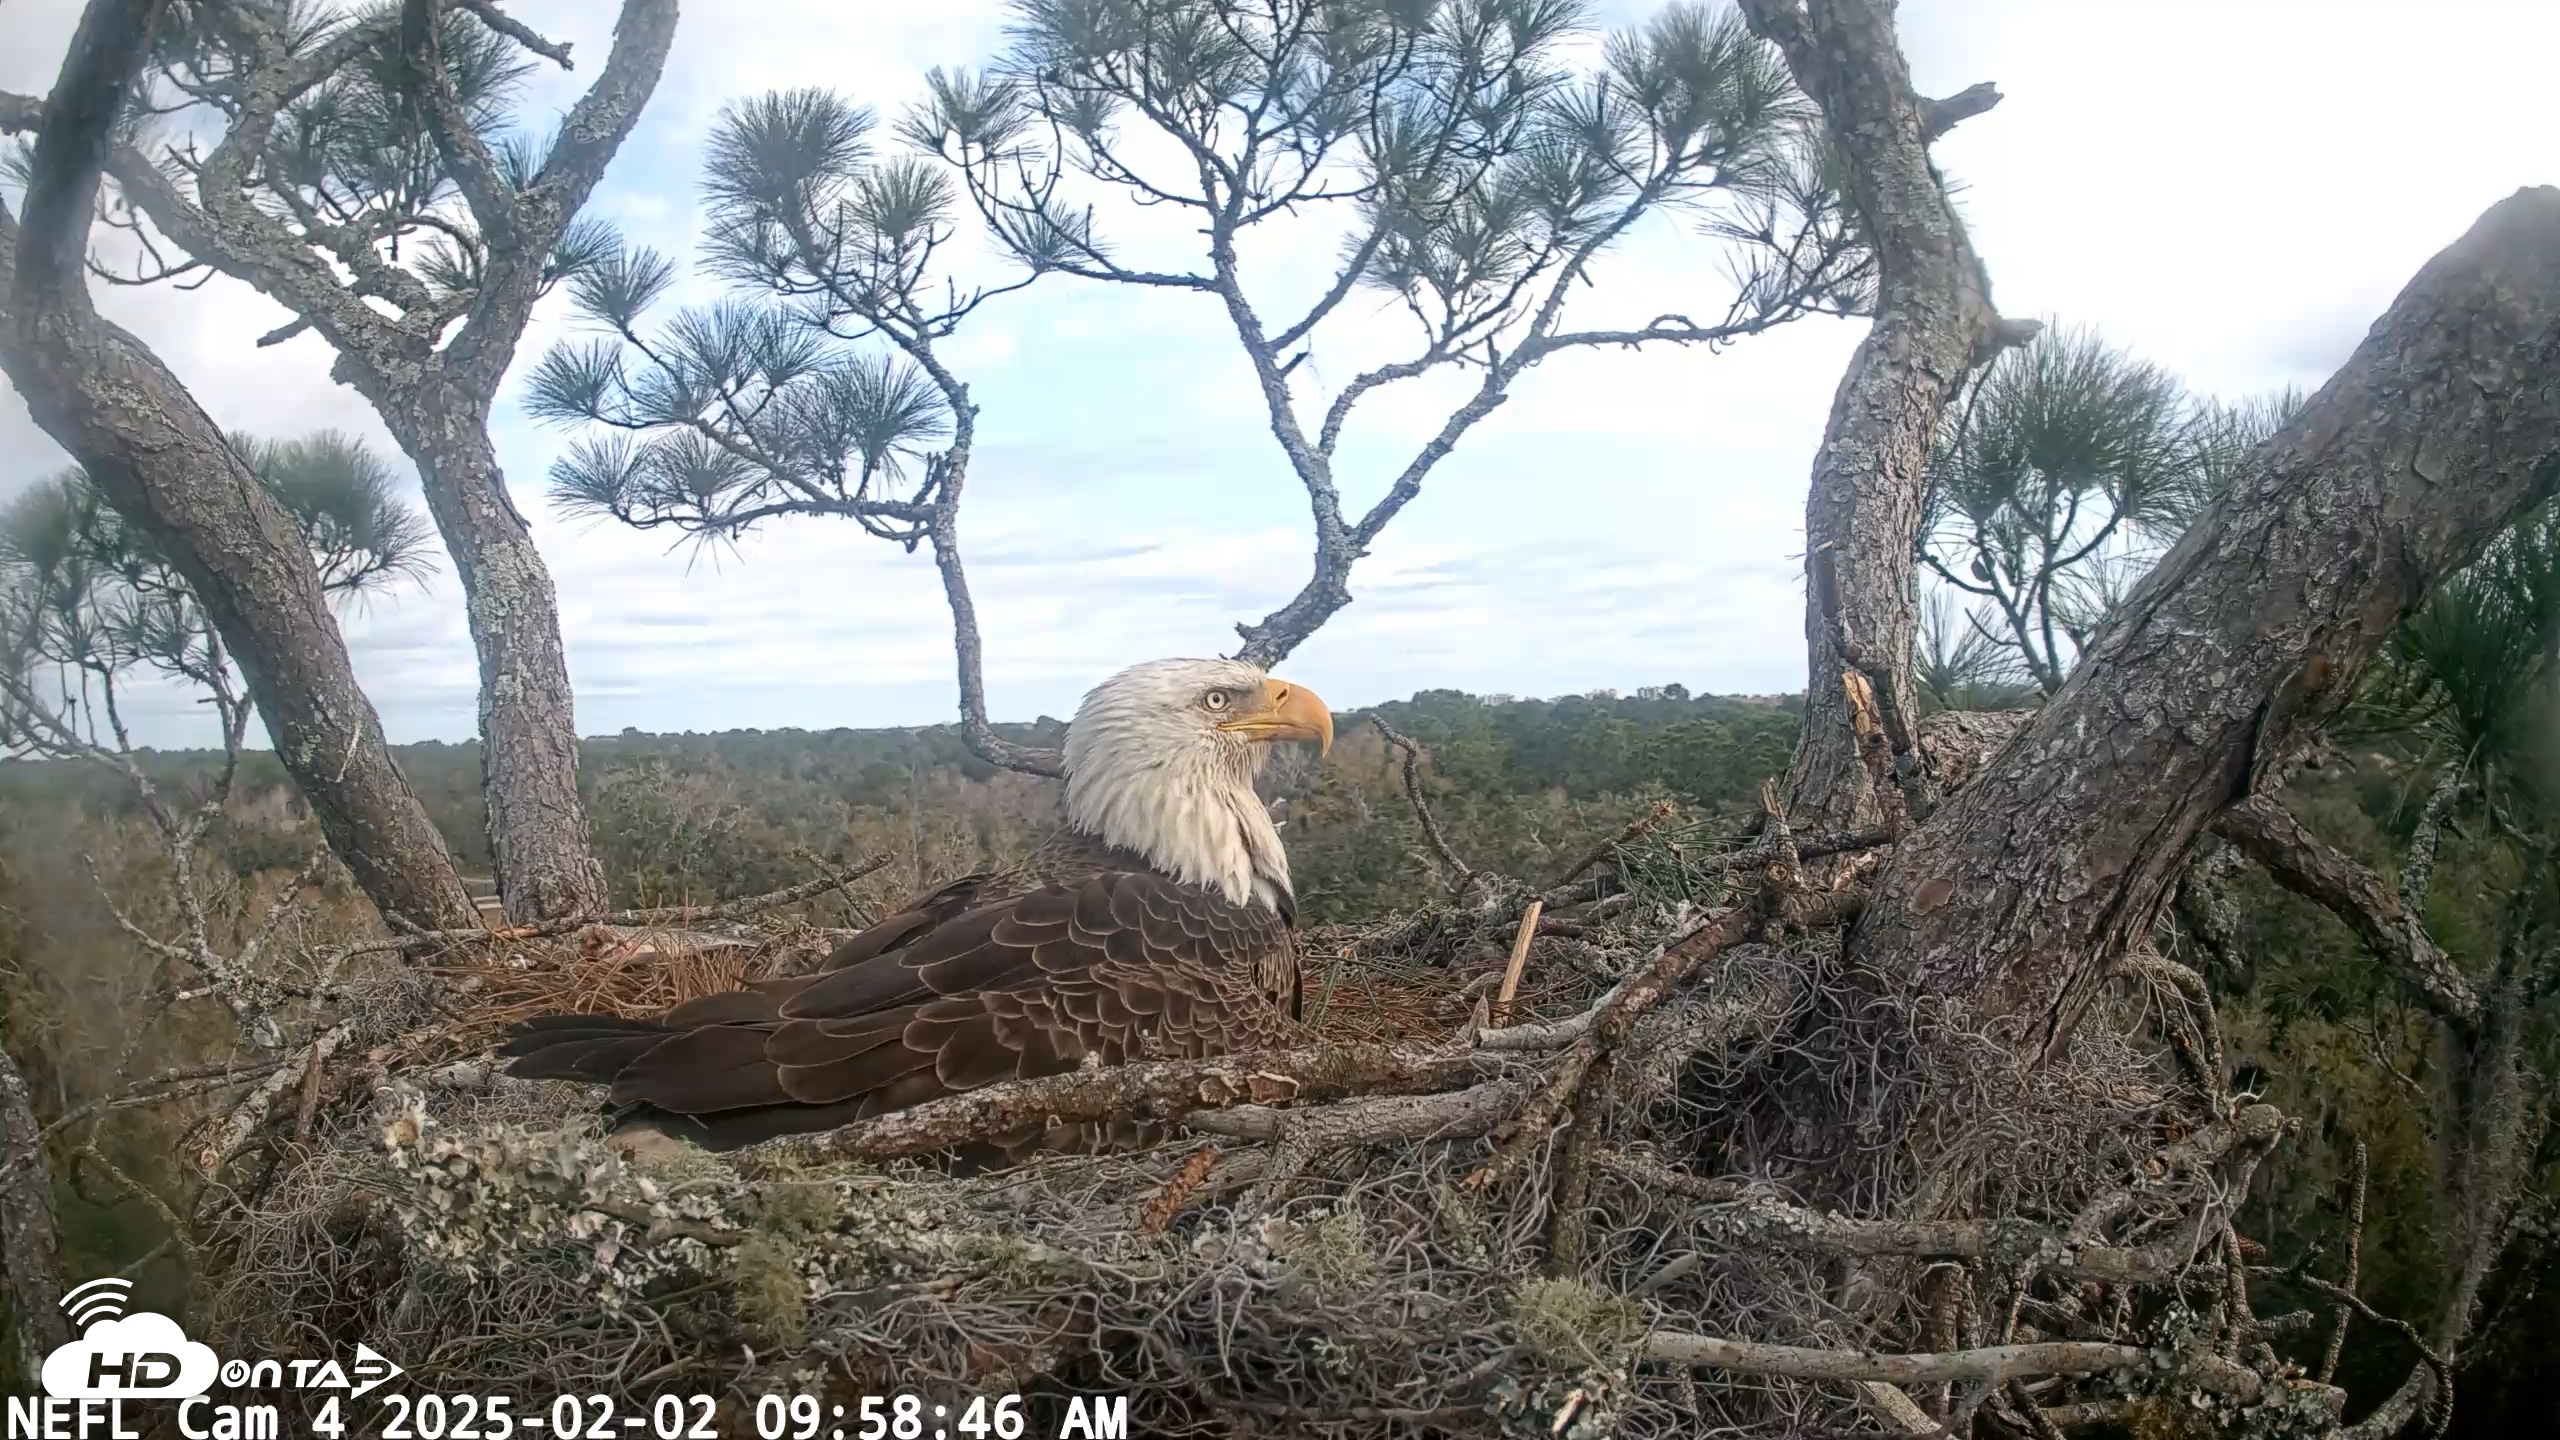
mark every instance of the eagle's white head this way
{"type": "Point", "coordinates": [1161, 759]}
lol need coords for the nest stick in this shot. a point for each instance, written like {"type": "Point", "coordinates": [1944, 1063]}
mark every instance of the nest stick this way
{"type": "Point", "coordinates": [1616, 1017]}
{"type": "Point", "coordinates": [1527, 932]}
{"type": "Point", "coordinates": [1146, 1090]}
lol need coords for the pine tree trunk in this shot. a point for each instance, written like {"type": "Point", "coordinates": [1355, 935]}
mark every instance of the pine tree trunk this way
{"type": "Point", "coordinates": [103, 396]}
{"type": "Point", "coordinates": [528, 722]}
{"type": "Point", "coordinates": [30, 1253]}
{"type": "Point", "coordinates": [1933, 321]}
{"type": "Point", "coordinates": [433, 382]}
{"type": "Point", "coordinates": [2440, 431]}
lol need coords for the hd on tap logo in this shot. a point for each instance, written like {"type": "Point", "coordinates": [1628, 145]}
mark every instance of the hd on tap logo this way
{"type": "Point", "coordinates": [141, 1356]}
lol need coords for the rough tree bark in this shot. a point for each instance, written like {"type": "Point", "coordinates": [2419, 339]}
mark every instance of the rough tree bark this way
{"type": "Point", "coordinates": [433, 369]}
{"type": "Point", "coordinates": [538, 827]}
{"type": "Point", "coordinates": [107, 399]}
{"type": "Point", "coordinates": [30, 1253]}
{"type": "Point", "coordinates": [2440, 431]}
{"type": "Point", "coordinates": [1934, 321]}
{"type": "Point", "coordinates": [437, 406]}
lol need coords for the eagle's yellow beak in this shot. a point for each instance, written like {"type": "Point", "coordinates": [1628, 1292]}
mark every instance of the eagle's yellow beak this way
{"type": "Point", "coordinates": [1289, 712]}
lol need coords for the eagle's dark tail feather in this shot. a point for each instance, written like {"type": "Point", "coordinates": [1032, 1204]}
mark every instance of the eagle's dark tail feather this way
{"type": "Point", "coordinates": [733, 1129]}
{"type": "Point", "coordinates": [579, 1047]}
{"type": "Point", "coordinates": [602, 1048]}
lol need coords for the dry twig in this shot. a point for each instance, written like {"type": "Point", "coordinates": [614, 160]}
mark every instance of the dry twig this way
{"type": "Point", "coordinates": [2355, 1266]}
{"type": "Point", "coordinates": [1421, 807]}
{"type": "Point", "coordinates": [1527, 932]}
{"type": "Point", "coordinates": [1989, 1365]}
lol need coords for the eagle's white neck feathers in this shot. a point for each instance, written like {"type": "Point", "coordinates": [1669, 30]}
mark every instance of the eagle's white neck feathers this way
{"type": "Point", "coordinates": [1149, 770]}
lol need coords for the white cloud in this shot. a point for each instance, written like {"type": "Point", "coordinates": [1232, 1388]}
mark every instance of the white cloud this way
{"type": "Point", "coordinates": [2222, 187]}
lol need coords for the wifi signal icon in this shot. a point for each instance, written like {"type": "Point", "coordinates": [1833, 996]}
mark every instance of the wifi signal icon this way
{"type": "Point", "coordinates": [98, 1300]}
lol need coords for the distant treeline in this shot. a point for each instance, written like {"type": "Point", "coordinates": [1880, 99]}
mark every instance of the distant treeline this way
{"type": "Point", "coordinates": [694, 815]}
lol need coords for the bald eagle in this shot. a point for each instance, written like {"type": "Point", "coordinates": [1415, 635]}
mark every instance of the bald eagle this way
{"type": "Point", "coordinates": [1157, 923]}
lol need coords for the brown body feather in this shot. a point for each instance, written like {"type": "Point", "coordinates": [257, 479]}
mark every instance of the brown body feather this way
{"type": "Point", "coordinates": [1085, 951]}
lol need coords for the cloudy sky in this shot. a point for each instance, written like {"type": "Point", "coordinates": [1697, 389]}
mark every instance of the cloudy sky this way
{"type": "Point", "coordinates": [2232, 188]}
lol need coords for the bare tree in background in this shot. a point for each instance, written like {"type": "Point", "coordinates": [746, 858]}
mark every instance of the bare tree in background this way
{"type": "Point", "coordinates": [178, 482]}
{"type": "Point", "coordinates": [1477, 178]}
{"type": "Point", "coordinates": [366, 171]}
{"type": "Point", "coordinates": [816, 388]}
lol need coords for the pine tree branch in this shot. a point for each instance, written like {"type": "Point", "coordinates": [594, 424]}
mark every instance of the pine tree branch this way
{"type": "Point", "coordinates": [969, 654]}
{"type": "Point", "coordinates": [226, 227]}
{"type": "Point", "coordinates": [515, 276]}
{"type": "Point", "coordinates": [1937, 117]}
{"type": "Point", "coordinates": [949, 481]}
{"type": "Point", "coordinates": [78, 125]}
{"type": "Point", "coordinates": [20, 114]}
{"type": "Point", "coordinates": [498, 20]}
{"type": "Point", "coordinates": [495, 206]}
{"type": "Point", "coordinates": [2303, 863]}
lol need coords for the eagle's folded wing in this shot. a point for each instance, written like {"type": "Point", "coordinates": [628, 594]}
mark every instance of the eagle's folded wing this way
{"type": "Point", "coordinates": [1118, 964]}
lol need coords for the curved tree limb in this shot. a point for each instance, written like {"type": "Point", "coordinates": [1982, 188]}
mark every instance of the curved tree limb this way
{"type": "Point", "coordinates": [170, 470]}
{"type": "Point", "coordinates": [2337, 1346]}
{"type": "Point", "coordinates": [2246, 637]}
{"type": "Point", "coordinates": [1412, 753]}
{"type": "Point", "coordinates": [1937, 117]}
{"type": "Point", "coordinates": [2305, 864]}
{"type": "Point", "coordinates": [968, 651]}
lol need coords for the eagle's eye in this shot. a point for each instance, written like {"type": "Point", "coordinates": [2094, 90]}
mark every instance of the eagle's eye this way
{"type": "Point", "coordinates": [1216, 701]}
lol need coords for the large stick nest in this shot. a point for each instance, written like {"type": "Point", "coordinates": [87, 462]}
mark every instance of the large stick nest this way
{"type": "Point", "coordinates": [1698, 1128]}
